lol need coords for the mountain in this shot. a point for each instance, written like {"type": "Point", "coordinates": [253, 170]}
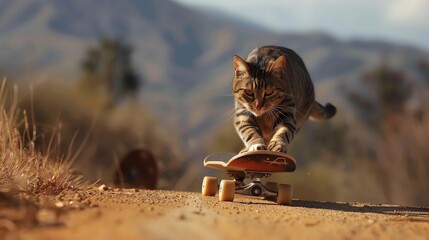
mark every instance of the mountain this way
{"type": "Point", "coordinates": [184, 55]}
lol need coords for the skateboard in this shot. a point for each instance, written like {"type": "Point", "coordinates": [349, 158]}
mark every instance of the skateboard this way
{"type": "Point", "coordinates": [253, 166]}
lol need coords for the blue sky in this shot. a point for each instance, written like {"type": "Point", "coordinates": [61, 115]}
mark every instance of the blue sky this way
{"type": "Point", "coordinates": [399, 21]}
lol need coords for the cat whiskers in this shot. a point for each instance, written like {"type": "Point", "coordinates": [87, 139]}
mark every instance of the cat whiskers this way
{"type": "Point", "coordinates": [229, 114]}
{"type": "Point", "coordinates": [272, 114]}
{"type": "Point", "coordinates": [224, 95]}
{"type": "Point", "coordinates": [279, 111]}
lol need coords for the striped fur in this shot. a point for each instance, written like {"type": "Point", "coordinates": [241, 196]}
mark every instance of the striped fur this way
{"type": "Point", "coordinates": [274, 95]}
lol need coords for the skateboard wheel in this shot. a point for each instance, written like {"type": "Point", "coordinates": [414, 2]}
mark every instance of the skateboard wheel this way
{"type": "Point", "coordinates": [272, 186]}
{"type": "Point", "coordinates": [209, 186]}
{"type": "Point", "coordinates": [284, 196]}
{"type": "Point", "coordinates": [226, 190]}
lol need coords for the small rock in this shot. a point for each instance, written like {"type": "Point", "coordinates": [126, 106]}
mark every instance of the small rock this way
{"type": "Point", "coordinates": [371, 221]}
{"type": "Point", "coordinates": [102, 187]}
{"type": "Point", "coordinates": [59, 204]}
{"type": "Point", "coordinates": [47, 217]}
{"type": "Point", "coordinates": [311, 223]}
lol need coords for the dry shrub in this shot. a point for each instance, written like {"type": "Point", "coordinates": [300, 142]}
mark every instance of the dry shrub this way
{"type": "Point", "coordinates": [393, 168]}
{"type": "Point", "coordinates": [22, 166]}
{"type": "Point", "coordinates": [331, 177]}
{"type": "Point", "coordinates": [403, 158]}
{"type": "Point", "coordinates": [111, 131]}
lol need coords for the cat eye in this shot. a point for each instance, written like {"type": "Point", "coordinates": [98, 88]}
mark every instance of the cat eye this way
{"type": "Point", "coordinates": [248, 92]}
{"type": "Point", "coordinates": [269, 92]}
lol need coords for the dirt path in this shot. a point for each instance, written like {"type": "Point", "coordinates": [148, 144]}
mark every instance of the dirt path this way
{"type": "Point", "coordinates": [133, 214]}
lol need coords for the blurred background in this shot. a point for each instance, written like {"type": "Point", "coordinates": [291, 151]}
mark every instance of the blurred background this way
{"type": "Point", "coordinates": [112, 77]}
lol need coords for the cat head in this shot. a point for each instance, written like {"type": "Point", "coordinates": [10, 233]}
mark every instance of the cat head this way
{"type": "Point", "coordinates": [259, 90]}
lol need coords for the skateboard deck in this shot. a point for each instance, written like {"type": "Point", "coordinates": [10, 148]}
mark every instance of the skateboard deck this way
{"type": "Point", "coordinates": [255, 161]}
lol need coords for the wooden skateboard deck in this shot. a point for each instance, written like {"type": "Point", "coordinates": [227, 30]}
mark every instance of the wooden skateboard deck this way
{"type": "Point", "coordinates": [256, 161]}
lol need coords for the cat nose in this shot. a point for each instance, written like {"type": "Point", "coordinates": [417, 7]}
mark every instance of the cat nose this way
{"type": "Point", "coordinates": [258, 104]}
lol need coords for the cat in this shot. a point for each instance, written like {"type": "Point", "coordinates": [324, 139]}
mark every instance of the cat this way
{"type": "Point", "coordinates": [274, 95]}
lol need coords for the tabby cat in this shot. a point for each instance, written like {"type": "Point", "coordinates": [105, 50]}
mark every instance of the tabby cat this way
{"type": "Point", "coordinates": [274, 95]}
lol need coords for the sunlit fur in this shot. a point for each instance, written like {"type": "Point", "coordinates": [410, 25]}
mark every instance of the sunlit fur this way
{"type": "Point", "coordinates": [274, 95]}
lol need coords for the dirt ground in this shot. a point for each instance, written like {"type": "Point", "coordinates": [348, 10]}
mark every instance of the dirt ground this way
{"type": "Point", "coordinates": [144, 214]}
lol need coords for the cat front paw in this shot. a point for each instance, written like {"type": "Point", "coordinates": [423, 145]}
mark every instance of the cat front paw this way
{"type": "Point", "coordinates": [256, 147]}
{"type": "Point", "coordinates": [277, 147]}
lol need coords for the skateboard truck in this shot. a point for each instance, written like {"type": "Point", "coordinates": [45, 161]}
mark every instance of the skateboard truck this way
{"type": "Point", "coordinates": [255, 188]}
{"type": "Point", "coordinates": [250, 165]}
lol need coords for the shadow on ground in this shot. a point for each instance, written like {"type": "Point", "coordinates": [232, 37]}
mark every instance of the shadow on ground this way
{"type": "Point", "coordinates": [421, 212]}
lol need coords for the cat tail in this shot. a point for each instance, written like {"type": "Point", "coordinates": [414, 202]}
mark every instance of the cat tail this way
{"type": "Point", "coordinates": [320, 112]}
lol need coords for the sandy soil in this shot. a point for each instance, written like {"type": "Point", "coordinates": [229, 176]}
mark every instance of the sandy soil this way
{"type": "Point", "coordinates": [144, 214]}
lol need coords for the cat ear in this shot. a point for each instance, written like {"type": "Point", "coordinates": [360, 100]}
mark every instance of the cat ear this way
{"type": "Point", "coordinates": [279, 66]}
{"type": "Point", "coordinates": [240, 66]}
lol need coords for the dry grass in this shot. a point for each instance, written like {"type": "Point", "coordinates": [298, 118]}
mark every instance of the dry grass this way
{"type": "Point", "coordinates": [110, 132]}
{"type": "Point", "coordinates": [22, 166]}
